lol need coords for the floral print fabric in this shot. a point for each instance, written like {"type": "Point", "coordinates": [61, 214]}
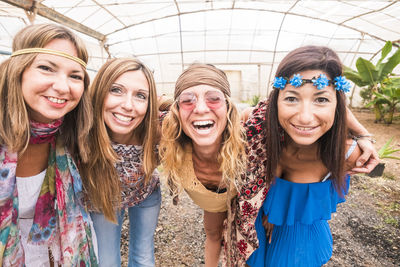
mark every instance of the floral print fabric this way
{"type": "Point", "coordinates": [131, 173]}
{"type": "Point", "coordinates": [59, 215]}
{"type": "Point", "coordinates": [252, 193]}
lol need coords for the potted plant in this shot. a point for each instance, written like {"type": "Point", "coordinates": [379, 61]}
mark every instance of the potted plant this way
{"type": "Point", "coordinates": [385, 152]}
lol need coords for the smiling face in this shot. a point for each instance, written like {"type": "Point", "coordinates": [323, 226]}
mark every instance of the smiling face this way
{"type": "Point", "coordinates": [125, 105]}
{"type": "Point", "coordinates": [53, 85]}
{"type": "Point", "coordinates": [206, 122]}
{"type": "Point", "coordinates": [306, 113]}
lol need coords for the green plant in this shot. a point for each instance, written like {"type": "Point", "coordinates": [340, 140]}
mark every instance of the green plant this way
{"type": "Point", "coordinates": [388, 98]}
{"type": "Point", "coordinates": [387, 150]}
{"type": "Point", "coordinates": [372, 76]}
{"type": "Point", "coordinates": [254, 101]}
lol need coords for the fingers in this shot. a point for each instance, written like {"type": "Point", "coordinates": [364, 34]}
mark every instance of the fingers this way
{"type": "Point", "coordinates": [269, 227]}
{"type": "Point", "coordinates": [368, 159]}
{"type": "Point", "coordinates": [367, 168]}
{"type": "Point", "coordinates": [366, 163]}
{"type": "Point", "coordinates": [269, 232]}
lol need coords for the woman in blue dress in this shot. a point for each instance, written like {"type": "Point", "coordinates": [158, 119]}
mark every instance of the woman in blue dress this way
{"type": "Point", "coordinates": [309, 152]}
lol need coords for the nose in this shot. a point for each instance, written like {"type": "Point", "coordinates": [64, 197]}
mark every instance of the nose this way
{"type": "Point", "coordinates": [306, 114]}
{"type": "Point", "coordinates": [61, 84]}
{"type": "Point", "coordinates": [127, 103]}
{"type": "Point", "coordinates": [201, 106]}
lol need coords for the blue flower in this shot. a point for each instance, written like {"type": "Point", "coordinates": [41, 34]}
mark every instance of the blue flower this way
{"type": "Point", "coordinates": [297, 80]}
{"type": "Point", "coordinates": [342, 84]}
{"type": "Point", "coordinates": [321, 82]}
{"type": "Point", "coordinates": [52, 221]}
{"type": "Point", "coordinates": [4, 173]}
{"type": "Point", "coordinates": [46, 233]}
{"type": "Point", "coordinates": [37, 237]}
{"type": "Point", "coordinates": [279, 83]}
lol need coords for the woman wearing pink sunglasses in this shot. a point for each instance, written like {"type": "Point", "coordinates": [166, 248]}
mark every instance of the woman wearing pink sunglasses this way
{"type": "Point", "coordinates": [202, 148]}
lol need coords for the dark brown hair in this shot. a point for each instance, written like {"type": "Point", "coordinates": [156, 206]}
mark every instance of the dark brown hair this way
{"type": "Point", "coordinates": [332, 144]}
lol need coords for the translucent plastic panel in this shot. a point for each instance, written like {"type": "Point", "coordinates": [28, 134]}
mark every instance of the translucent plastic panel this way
{"type": "Point", "coordinates": [193, 41]}
{"type": "Point", "coordinates": [139, 11]}
{"type": "Point", "coordinates": [193, 22]}
{"type": "Point", "coordinates": [218, 20]}
{"type": "Point", "coordinates": [79, 12]}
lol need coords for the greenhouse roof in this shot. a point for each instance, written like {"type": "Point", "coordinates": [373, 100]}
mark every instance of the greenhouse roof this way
{"type": "Point", "coordinates": [250, 36]}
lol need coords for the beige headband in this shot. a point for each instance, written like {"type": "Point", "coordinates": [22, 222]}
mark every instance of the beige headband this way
{"type": "Point", "coordinates": [48, 51]}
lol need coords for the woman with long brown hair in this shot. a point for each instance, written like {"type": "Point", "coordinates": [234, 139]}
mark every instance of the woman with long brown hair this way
{"type": "Point", "coordinates": [45, 118]}
{"type": "Point", "coordinates": [309, 153]}
{"type": "Point", "coordinates": [121, 173]}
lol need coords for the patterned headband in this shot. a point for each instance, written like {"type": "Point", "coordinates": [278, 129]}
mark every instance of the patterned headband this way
{"type": "Point", "coordinates": [48, 51]}
{"type": "Point", "coordinates": [340, 82]}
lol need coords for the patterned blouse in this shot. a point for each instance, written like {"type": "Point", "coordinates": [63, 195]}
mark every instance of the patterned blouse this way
{"type": "Point", "coordinates": [131, 173]}
{"type": "Point", "coordinates": [243, 238]}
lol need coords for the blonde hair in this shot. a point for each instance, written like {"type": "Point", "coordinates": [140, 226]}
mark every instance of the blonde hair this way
{"type": "Point", "coordinates": [231, 156]}
{"type": "Point", "coordinates": [14, 118]}
{"type": "Point", "coordinates": [101, 178]}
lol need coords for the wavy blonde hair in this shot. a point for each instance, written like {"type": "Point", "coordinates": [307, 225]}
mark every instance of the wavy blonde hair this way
{"type": "Point", "coordinates": [231, 155]}
{"type": "Point", "coordinates": [14, 118]}
{"type": "Point", "coordinates": [101, 181]}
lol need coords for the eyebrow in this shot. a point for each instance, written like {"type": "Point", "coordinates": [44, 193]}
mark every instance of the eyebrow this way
{"type": "Point", "coordinates": [54, 65]}
{"type": "Point", "coordinates": [138, 90]}
{"type": "Point", "coordinates": [320, 92]}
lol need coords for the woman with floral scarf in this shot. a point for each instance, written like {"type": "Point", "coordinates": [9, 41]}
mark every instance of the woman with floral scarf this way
{"type": "Point", "coordinates": [45, 117]}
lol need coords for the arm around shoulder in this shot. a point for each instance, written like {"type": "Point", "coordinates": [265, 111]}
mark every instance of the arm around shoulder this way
{"type": "Point", "coordinates": [355, 153]}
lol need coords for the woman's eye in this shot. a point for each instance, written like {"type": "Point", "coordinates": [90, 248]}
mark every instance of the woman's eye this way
{"type": "Point", "coordinates": [141, 96]}
{"type": "Point", "coordinates": [291, 99]}
{"type": "Point", "coordinates": [321, 100]}
{"type": "Point", "coordinates": [77, 77]}
{"type": "Point", "coordinates": [115, 90]}
{"type": "Point", "coordinates": [44, 67]}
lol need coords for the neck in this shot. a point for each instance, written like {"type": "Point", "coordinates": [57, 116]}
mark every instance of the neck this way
{"type": "Point", "coordinates": [126, 140]}
{"type": "Point", "coordinates": [209, 153]}
{"type": "Point", "coordinates": [302, 151]}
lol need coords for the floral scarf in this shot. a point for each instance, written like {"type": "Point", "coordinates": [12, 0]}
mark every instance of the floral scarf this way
{"type": "Point", "coordinates": [60, 218]}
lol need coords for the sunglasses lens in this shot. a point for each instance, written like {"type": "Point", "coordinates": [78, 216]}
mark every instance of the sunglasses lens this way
{"type": "Point", "coordinates": [187, 101]}
{"type": "Point", "coordinates": [214, 100]}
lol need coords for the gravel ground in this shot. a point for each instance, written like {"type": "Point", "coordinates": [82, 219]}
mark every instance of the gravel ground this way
{"type": "Point", "coordinates": [361, 234]}
{"type": "Point", "coordinates": [365, 229]}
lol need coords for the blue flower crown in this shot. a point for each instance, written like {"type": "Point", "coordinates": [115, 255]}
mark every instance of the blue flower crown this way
{"type": "Point", "coordinates": [340, 82]}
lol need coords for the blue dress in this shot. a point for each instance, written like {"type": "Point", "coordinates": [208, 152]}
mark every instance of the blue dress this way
{"type": "Point", "coordinates": [300, 214]}
{"type": "Point", "coordinates": [301, 234]}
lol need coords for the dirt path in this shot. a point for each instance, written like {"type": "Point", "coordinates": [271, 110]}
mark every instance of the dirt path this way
{"type": "Point", "coordinates": [366, 228]}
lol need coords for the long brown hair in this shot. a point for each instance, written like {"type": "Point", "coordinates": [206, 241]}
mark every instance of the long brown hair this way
{"type": "Point", "coordinates": [101, 179]}
{"type": "Point", "coordinates": [14, 119]}
{"type": "Point", "coordinates": [231, 156]}
{"type": "Point", "coordinates": [332, 144]}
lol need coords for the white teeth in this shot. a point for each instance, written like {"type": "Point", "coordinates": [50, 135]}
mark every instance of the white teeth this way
{"type": "Point", "coordinates": [304, 128]}
{"type": "Point", "coordinates": [123, 118]}
{"type": "Point", "coordinates": [56, 100]}
{"type": "Point", "coordinates": [202, 123]}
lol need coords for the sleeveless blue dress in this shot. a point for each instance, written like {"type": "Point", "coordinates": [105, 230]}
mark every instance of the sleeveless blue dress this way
{"type": "Point", "coordinates": [301, 234]}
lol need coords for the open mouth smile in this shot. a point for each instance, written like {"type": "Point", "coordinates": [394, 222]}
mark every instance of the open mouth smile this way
{"type": "Point", "coordinates": [56, 100]}
{"type": "Point", "coordinates": [203, 125]}
{"type": "Point", "coordinates": [123, 118]}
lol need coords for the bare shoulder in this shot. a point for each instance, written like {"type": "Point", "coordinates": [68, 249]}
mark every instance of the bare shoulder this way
{"type": "Point", "coordinates": [245, 114]}
{"type": "Point", "coordinates": [355, 154]}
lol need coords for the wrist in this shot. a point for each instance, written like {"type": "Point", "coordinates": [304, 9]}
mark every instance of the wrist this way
{"type": "Point", "coordinates": [365, 136]}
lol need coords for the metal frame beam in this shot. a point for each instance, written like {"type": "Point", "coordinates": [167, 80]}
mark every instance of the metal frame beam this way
{"type": "Point", "coordinates": [53, 15]}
